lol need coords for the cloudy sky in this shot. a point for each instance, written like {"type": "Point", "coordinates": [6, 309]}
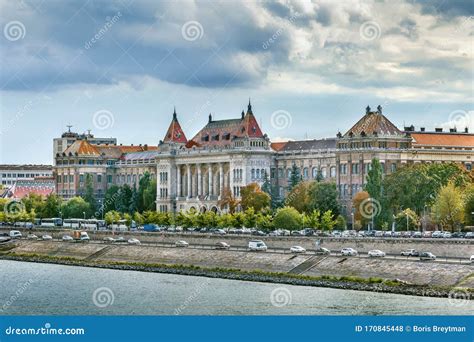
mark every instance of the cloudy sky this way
{"type": "Point", "coordinates": [309, 67]}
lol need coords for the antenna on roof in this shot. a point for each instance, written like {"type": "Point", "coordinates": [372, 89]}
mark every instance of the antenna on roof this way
{"type": "Point", "coordinates": [69, 128]}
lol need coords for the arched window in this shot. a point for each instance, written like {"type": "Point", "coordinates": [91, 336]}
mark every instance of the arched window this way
{"type": "Point", "coordinates": [288, 173]}
{"type": "Point", "coordinates": [262, 173]}
{"type": "Point", "coordinates": [324, 172]}
{"type": "Point", "coordinates": [315, 172]}
{"type": "Point", "coordinates": [333, 171]}
{"type": "Point", "coordinates": [305, 173]}
{"type": "Point", "coordinates": [252, 173]}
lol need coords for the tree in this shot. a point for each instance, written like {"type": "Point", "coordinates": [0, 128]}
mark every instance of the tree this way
{"type": "Point", "coordinates": [448, 208]}
{"type": "Point", "coordinates": [266, 185]}
{"type": "Point", "coordinates": [112, 198]}
{"type": "Point", "coordinates": [407, 220]}
{"type": "Point", "coordinates": [112, 217]}
{"type": "Point", "coordinates": [89, 195]}
{"type": "Point", "coordinates": [363, 208]}
{"type": "Point", "coordinates": [34, 202]}
{"type": "Point", "coordinates": [295, 177]}
{"type": "Point", "coordinates": [51, 207]}
{"type": "Point", "coordinates": [228, 201]}
{"type": "Point", "coordinates": [319, 175]}
{"type": "Point", "coordinates": [146, 193]}
{"type": "Point", "coordinates": [327, 221]}
{"type": "Point", "coordinates": [340, 223]}
{"type": "Point", "coordinates": [313, 219]}
{"type": "Point", "coordinates": [374, 188]}
{"type": "Point", "coordinates": [323, 197]}
{"type": "Point", "coordinates": [287, 218]}
{"type": "Point", "coordinates": [250, 219]}
{"type": "Point", "coordinates": [125, 198]}
{"type": "Point", "coordinates": [469, 205]}
{"type": "Point", "coordinates": [253, 197]}
{"type": "Point", "coordinates": [299, 197]}
{"type": "Point", "coordinates": [264, 221]}
{"type": "Point", "coordinates": [75, 208]}
{"type": "Point", "coordinates": [132, 206]}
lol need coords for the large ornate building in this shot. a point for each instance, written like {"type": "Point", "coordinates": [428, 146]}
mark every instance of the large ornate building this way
{"type": "Point", "coordinates": [229, 154]}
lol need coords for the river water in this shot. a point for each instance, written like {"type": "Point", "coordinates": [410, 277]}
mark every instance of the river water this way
{"type": "Point", "coordinates": [46, 289]}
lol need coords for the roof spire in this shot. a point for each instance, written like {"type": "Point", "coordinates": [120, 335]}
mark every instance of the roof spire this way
{"type": "Point", "coordinates": [367, 110]}
{"type": "Point", "coordinates": [249, 107]}
{"type": "Point", "coordinates": [174, 113]}
{"type": "Point", "coordinates": [210, 117]}
{"type": "Point", "coordinates": [69, 128]}
{"type": "Point", "coordinates": [242, 114]}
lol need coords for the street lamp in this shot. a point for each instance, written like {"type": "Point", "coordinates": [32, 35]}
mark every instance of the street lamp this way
{"type": "Point", "coordinates": [84, 214]}
{"type": "Point", "coordinates": [352, 218]}
{"type": "Point", "coordinates": [407, 219]}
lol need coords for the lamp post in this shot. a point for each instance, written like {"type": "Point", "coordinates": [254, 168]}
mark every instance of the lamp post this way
{"type": "Point", "coordinates": [407, 220]}
{"type": "Point", "coordinates": [84, 214]}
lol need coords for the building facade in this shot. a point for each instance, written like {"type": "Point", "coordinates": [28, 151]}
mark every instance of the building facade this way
{"type": "Point", "coordinates": [226, 155]}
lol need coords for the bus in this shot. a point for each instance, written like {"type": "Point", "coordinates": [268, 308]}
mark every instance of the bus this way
{"type": "Point", "coordinates": [88, 224]}
{"type": "Point", "coordinates": [50, 222]}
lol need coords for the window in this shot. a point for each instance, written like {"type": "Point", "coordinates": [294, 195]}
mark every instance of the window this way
{"type": "Point", "coordinates": [324, 172]}
{"type": "Point", "coordinates": [288, 173]}
{"type": "Point", "coordinates": [71, 178]}
{"type": "Point", "coordinates": [99, 178]}
{"type": "Point", "coordinates": [58, 178]}
{"type": "Point", "coordinates": [81, 178]}
{"type": "Point", "coordinates": [393, 167]}
{"type": "Point", "coordinates": [258, 174]}
{"type": "Point", "coordinates": [343, 169]}
{"type": "Point", "coordinates": [109, 179]}
{"type": "Point", "coordinates": [332, 172]}
{"type": "Point", "coordinates": [355, 168]}
{"type": "Point", "coordinates": [280, 172]}
{"type": "Point", "coordinates": [315, 172]}
{"type": "Point", "coordinates": [305, 173]}
{"type": "Point", "coordinates": [252, 173]}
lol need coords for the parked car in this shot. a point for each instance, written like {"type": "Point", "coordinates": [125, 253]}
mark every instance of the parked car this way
{"type": "Point", "coordinates": [84, 236]}
{"type": "Point", "coordinates": [446, 235]}
{"type": "Point", "coordinates": [222, 245]}
{"type": "Point", "coordinates": [32, 237]}
{"type": "Point", "coordinates": [376, 253]}
{"type": "Point", "coordinates": [67, 238]}
{"type": "Point", "coordinates": [297, 249]}
{"type": "Point", "coordinates": [469, 235]}
{"type": "Point", "coordinates": [133, 241]}
{"type": "Point", "coordinates": [471, 259]}
{"type": "Point", "coordinates": [15, 234]}
{"type": "Point", "coordinates": [219, 232]}
{"type": "Point", "coordinates": [322, 250]}
{"type": "Point", "coordinates": [349, 252]}
{"type": "Point", "coordinates": [257, 245]}
{"type": "Point", "coordinates": [46, 237]}
{"type": "Point", "coordinates": [416, 235]}
{"type": "Point", "coordinates": [437, 234]}
{"type": "Point", "coordinates": [427, 234]}
{"type": "Point", "coordinates": [108, 239]}
{"type": "Point", "coordinates": [427, 256]}
{"type": "Point", "coordinates": [181, 243]}
{"type": "Point", "coordinates": [120, 239]}
{"type": "Point", "coordinates": [410, 252]}
{"type": "Point", "coordinates": [296, 233]}
{"type": "Point", "coordinates": [458, 235]}
{"type": "Point", "coordinates": [387, 234]}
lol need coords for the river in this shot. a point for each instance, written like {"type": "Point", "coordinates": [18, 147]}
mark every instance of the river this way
{"type": "Point", "coordinates": [47, 289]}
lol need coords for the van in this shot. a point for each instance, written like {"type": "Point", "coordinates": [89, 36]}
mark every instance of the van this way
{"type": "Point", "coordinates": [257, 245]}
{"type": "Point", "coordinates": [85, 236]}
{"type": "Point", "coordinates": [15, 234]}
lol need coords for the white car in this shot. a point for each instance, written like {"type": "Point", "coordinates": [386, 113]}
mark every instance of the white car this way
{"type": "Point", "coordinates": [181, 243]}
{"type": "Point", "coordinates": [349, 252]}
{"type": "Point", "coordinates": [109, 239]}
{"type": "Point", "coordinates": [297, 249]}
{"type": "Point", "coordinates": [67, 238]}
{"type": "Point", "coordinates": [222, 245]}
{"type": "Point", "coordinates": [257, 245]}
{"type": "Point", "coordinates": [133, 241]}
{"type": "Point", "coordinates": [322, 250]}
{"type": "Point", "coordinates": [32, 237]}
{"type": "Point", "coordinates": [446, 235]}
{"type": "Point", "coordinates": [427, 256]}
{"type": "Point", "coordinates": [376, 253]}
{"type": "Point", "coordinates": [46, 237]}
{"type": "Point", "coordinates": [15, 234]}
{"type": "Point", "coordinates": [472, 258]}
{"type": "Point", "coordinates": [85, 236]}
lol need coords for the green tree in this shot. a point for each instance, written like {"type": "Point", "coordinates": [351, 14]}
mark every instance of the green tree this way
{"type": "Point", "coordinates": [112, 198]}
{"type": "Point", "coordinates": [89, 195]}
{"type": "Point", "coordinates": [125, 198]}
{"type": "Point", "coordinates": [448, 208]}
{"type": "Point", "coordinates": [299, 197]}
{"type": "Point", "coordinates": [132, 206]}
{"type": "Point", "coordinates": [374, 188]}
{"type": "Point", "coordinates": [287, 218]}
{"type": "Point", "coordinates": [295, 177]}
{"type": "Point", "coordinates": [250, 219]}
{"type": "Point", "coordinates": [112, 217]}
{"type": "Point", "coordinates": [34, 202]}
{"type": "Point", "coordinates": [51, 207]}
{"type": "Point", "coordinates": [469, 205]}
{"type": "Point", "coordinates": [266, 185]}
{"type": "Point", "coordinates": [75, 208]}
{"type": "Point", "coordinates": [146, 200]}
{"type": "Point", "coordinates": [264, 221]}
{"type": "Point", "coordinates": [340, 223]}
{"type": "Point", "coordinates": [323, 197]}
{"type": "Point", "coordinates": [407, 217]}
{"type": "Point", "coordinates": [327, 221]}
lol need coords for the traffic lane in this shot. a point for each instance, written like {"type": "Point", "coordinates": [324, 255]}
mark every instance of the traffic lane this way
{"type": "Point", "coordinates": [451, 260]}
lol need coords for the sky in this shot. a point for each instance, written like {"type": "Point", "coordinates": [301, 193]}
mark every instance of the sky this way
{"type": "Point", "coordinates": [310, 68]}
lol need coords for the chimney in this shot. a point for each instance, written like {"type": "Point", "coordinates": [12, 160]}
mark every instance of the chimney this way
{"type": "Point", "coordinates": [438, 130]}
{"type": "Point", "coordinates": [466, 130]}
{"type": "Point", "coordinates": [210, 117]}
{"type": "Point", "coordinates": [145, 147]}
{"type": "Point", "coordinates": [453, 130]}
{"type": "Point", "coordinates": [422, 129]}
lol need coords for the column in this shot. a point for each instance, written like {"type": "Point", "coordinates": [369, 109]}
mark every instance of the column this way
{"type": "Point", "coordinates": [178, 181]}
{"type": "Point", "coordinates": [199, 180]}
{"type": "Point", "coordinates": [188, 173]}
{"type": "Point", "coordinates": [210, 179]}
{"type": "Point", "coordinates": [221, 179]}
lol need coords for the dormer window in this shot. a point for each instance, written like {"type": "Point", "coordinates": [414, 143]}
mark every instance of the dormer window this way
{"type": "Point", "coordinates": [254, 129]}
{"type": "Point", "coordinates": [226, 136]}
{"type": "Point", "coordinates": [205, 138]}
{"type": "Point", "coordinates": [215, 137]}
{"type": "Point", "coordinates": [242, 129]}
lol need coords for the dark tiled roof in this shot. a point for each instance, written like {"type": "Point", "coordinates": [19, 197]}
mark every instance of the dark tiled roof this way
{"type": "Point", "coordinates": [175, 132]}
{"type": "Point", "coordinates": [374, 122]}
{"type": "Point", "coordinates": [316, 144]}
